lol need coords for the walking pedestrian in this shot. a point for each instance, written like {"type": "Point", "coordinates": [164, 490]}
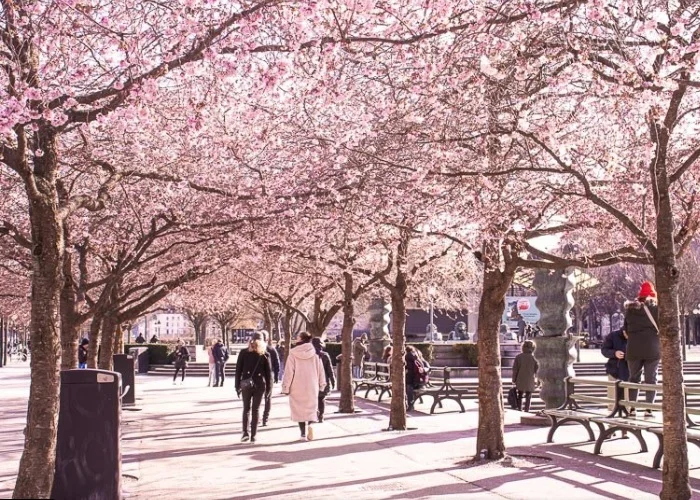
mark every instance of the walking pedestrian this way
{"type": "Point", "coordinates": [83, 353]}
{"type": "Point", "coordinates": [212, 363]}
{"type": "Point", "coordinates": [253, 382]}
{"type": "Point", "coordinates": [180, 356]}
{"type": "Point", "coordinates": [220, 358]}
{"type": "Point", "coordinates": [330, 376]}
{"type": "Point", "coordinates": [525, 370]}
{"type": "Point", "coordinates": [303, 379]}
{"type": "Point", "coordinates": [643, 350]}
{"type": "Point", "coordinates": [275, 366]}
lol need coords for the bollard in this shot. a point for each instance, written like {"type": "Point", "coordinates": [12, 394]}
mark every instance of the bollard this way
{"type": "Point", "coordinates": [88, 452]}
{"type": "Point", "coordinates": [124, 365]}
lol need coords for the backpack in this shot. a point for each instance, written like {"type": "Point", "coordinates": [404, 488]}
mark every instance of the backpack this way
{"type": "Point", "coordinates": [421, 372]}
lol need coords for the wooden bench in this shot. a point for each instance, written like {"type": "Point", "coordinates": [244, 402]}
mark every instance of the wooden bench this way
{"type": "Point", "coordinates": [692, 431]}
{"type": "Point", "coordinates": [382, 381]}
{"type": "Point", "coordinates": [445, 391]}
{"type": "Point", "coordinates": [573, 409]}
{"type": "Point", "coordinates": [369, 375]}
{"type": "Point", "coordinates": [621, 419]}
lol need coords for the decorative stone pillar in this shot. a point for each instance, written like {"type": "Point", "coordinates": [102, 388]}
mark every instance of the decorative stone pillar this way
{"type": "Point", "coordinates": [379, 316]}
{"type": "Point", "coordinates": [555, 348]}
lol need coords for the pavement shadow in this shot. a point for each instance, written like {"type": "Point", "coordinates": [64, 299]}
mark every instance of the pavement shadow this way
{"type": "Point", "coordinates": [594, 473]}
{"type": "Point", "coordinates": [307, 488]}
{"type": "Point", "coordinates": [317, 453]}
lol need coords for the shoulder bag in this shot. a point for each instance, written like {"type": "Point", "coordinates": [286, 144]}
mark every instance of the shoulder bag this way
{"type": "Point", "coordinates": [248, 384]}
{"type": "Point", "coordinates": [651, 318]}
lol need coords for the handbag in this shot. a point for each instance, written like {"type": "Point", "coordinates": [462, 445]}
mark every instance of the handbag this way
{"type": "Point", "coordinates": [651, 318]}
{"type": "Point", "coordinates": [248, 384]}
{"type": "Point", "coordinates": [513, 398]}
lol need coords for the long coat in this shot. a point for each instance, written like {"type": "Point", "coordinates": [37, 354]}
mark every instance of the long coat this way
{"type": "Point", "coordinates": [643, 337]}
{"type": "Point", "coordinates": [524, 372]}
{"type": "Point", "coordinates": [303, 379]}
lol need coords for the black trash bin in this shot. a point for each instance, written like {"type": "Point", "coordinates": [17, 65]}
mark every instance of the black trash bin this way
{"type": "Point", "coordinates": [140, 354]}
{"type": "Point", "coordinates": [88, 452]}
{"type": "Point", "coordinates": [124, 365]}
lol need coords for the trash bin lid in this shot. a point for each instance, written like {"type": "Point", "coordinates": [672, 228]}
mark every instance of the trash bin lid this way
{"type": "Point", "coordinates": [90, 376]}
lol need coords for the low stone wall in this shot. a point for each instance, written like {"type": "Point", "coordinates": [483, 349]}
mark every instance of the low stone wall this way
{"type": "Point", "coordinates": [445, 355]}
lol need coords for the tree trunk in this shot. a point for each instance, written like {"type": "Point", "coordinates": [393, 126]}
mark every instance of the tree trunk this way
{"type": "Point", "coordinates": [69, 322]}
{"type": "Point", "coordinates": [36, 467]}
{"type": "Point", "coordinates": [489, 438]}
{"type": "Point", "coordinates": [95, 333]}
{"type": "Point", "coordinates": [676, 484]}
{"type": "Point", "coordinates": [109, 328]}
{"type": "Point", "coordinates": [288, 316]}
{"type": "Point", "coordinates": [397, 417]}
{"type": "Point", "coordinates": [347, 401]}
{"type": "Point", "coordinates": [119, 340]}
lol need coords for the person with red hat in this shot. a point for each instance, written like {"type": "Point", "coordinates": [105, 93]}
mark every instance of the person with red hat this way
{"type": "Point", "coordinates": [643, 348]}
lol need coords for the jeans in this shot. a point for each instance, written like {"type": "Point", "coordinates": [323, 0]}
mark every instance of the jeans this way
{"type": "Point", "coordinates": [410, 396]}
{"type": "Point", "coordinates": [268, 405]}
{"type": "Point", "coordinates": [251, 403]}
{"type": "Point", "coordinates": [356, 371]}
{"type": "Point", "coordinates": [219, 369]}
{"type": "Point", "coordinates": [82, 366]}
{"type": "Point", "coordinates": [651, 370]}
{"type": "Point", "coordinates": [321, 404]}
{"type": "Point", "coordinates": [212, 372]}
{"type": "Point", "coordinates": [177, 369]}
{"type": "Point", "coordinates": [528, 397]}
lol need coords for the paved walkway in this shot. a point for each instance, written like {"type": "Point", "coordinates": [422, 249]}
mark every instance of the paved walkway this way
{"type": "Point", "coordinates": [182, 442]}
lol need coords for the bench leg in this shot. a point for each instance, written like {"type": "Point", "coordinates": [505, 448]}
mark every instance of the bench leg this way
{"type": "Point", "coordinates": [601, 428]}
{"type": "Point", "coordinates": [659, 451]}
{"type": "Point", "coordinates": [555, 425]}
{"type": "Point", "coordinates": [640, 438]}
{"type": "Point", "coordinates": [436, 401]}
{"type": "Point", "coordinates": [461, 406]}
{"type": "Point", "coordinates": [603, 436]}
{"type": "Point", "coordinates": [420, 399]}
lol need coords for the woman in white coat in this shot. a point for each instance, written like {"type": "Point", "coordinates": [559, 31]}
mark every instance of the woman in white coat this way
{"type": "Point", "coordinates": [303, 379]}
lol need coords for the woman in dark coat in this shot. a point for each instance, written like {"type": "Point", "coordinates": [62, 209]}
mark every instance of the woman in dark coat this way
{"type": "Point", "coordinates": [180, 357]}
{"type": "Point", "coordinates": [330, 376]}
{"type": "Point", "coordinates": [253, 363]}
{"type": "Point", "coordinates": [643, 348]}
{"type": "Point", "coordinates": [614, 348]}
{"type": "Point", "coordinates": [525, 373]}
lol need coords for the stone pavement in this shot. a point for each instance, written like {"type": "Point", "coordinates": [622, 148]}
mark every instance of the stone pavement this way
{"type": "Point", "coordinates": [182, 442]}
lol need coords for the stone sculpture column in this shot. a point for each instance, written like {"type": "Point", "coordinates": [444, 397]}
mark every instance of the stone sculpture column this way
{"type": "Point", "coordinates": [379, 315]}
{"type": "Point", "coordinates": [555, 347]}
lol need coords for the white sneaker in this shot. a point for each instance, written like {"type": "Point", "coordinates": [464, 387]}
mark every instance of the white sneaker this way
{"type": "Point", "coordinates": [174, 382]}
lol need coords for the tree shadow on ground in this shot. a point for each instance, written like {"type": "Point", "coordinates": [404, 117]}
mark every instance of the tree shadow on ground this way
{"type": "Point", "coordinates": [587, 468]}
{"type": "Point", "coordinates": [308, 488]}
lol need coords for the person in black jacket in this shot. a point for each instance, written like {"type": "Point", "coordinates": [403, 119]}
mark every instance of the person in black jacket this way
{"type": "Point", "coordinates": [643, 349]}
{"type": "Point", "coordinates": [180, 357]}
{"type": "Point", "coordinates": [82, 353]}
{"type": "Point", "coordinates": [330, 376]}
{"type": "Point", "coordinates": [275, 366]}
{"type": "Point", "coordinates": [253, 363]}
{"type": "Point", "coordinates": [220, 354]}
{"type": "Point", "coordinates": [614, 348]}
{"type": "Point", "coordinates": [413, 380]}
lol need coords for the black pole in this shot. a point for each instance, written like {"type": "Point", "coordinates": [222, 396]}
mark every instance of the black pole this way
{"type": "Point", "coordinates": [3, 342]}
